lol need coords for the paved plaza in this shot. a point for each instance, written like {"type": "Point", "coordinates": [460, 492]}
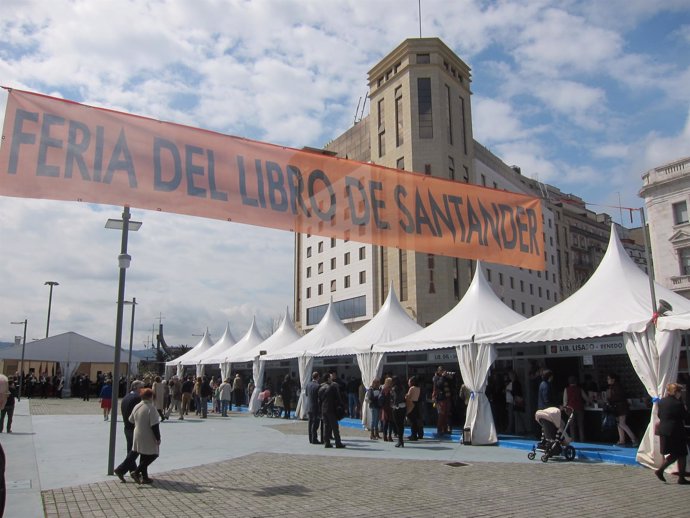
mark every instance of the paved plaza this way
{"type": "Point", "coordinates": [247, 466]}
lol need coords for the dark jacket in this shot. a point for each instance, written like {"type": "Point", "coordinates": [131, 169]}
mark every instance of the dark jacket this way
{"type": "Point", "coordinates": [127, 405]}
{"type": "Point", "coordinates": [312, 391]}
{"type": "Point", "coordinates": [329, 396]}
{"type": "Point", "coordinates": [672, 414]}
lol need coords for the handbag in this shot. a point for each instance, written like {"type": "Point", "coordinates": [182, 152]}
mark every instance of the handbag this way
{"type": "Point", "coordinates": [608, 421]}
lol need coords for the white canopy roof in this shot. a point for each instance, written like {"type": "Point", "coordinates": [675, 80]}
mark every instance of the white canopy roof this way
{"type": "Point", "coordinates": [69, 346]}
{"type": "Point", "coordinates": [390, 322]}
{"type": "Point", "coordinates": [616, 299]}
{"type": "Point", "coordinates": [479, 311]}
{"type": "Point", "coordinates": [191, 357]}
{"type": "Point", "coordinates": [283, 336]}
{"type": "Point", "coordinates": [219, 350]}
{"type": "Point", "coordinates": [673, 322]}
{"type": "Point", "coordinates": [251, 338]}
{"type": "Point", "coordinates": [329, 330]}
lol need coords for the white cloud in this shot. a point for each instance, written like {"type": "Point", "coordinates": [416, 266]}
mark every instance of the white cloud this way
{"type": "Point", "coordinates": [556, 91]}
{"type": "Point", "coordinates": [494, 121]}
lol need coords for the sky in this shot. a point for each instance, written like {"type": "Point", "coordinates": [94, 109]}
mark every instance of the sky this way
{"type": "Point", "coordinates": [584, 95]}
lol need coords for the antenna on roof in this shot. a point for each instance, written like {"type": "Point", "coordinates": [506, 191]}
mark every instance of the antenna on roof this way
{"type": "Point", "coordinates": [359, 115]}
{"type": "Point", "coordinates": [359, 101]}
{"type": "Point", "coordinates": [419, 4]}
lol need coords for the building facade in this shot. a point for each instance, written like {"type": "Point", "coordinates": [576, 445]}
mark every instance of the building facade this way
{"type": "Point", "coordinates": [421, 121]}
{"type": "Point", "coordinates": [666, 193]}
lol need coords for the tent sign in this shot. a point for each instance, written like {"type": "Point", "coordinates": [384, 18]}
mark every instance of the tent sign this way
{"type": "Point", "coordinates": [62, 150]}
{"type": "Point", "coordinates": [592, 346]}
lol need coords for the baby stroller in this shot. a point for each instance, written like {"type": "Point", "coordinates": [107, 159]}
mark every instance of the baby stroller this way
{"type": "Point", "coordinates": [553, 442]}
{"type": "Point", "coordinates": [268, 408]}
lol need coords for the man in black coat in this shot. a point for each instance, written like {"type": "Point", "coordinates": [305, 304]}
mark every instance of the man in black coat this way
{"type": "Point", "coordinates": [313, 410]}
{"type": "Point", "coordinates": [329, 396]}
{"type": "Point", "coordinates": [126, 406]}
{"type": "Point", "coordinates": [671, 432]}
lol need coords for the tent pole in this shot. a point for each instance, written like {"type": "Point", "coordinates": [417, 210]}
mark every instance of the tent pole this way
{"type": "Point", "coordinates": [648, 257]}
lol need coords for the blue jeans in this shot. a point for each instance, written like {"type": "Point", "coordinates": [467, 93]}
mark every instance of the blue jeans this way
{"type": "Point", "coordinates": [224, 404]}
{"type": "Point", "coordinates": [352, 402]}
{"type": "Point", "coordinates": [375, 418]}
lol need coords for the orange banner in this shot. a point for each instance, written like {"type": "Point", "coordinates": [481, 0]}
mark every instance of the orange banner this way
{"type": "Point", "coordinates": [61, 150]}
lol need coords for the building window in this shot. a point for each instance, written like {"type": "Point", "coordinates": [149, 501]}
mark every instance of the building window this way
{"type": "Point", "coordinates": [466, 178]}
{"type": "Point", "coordinates": [308, 271]}
{"type": "Point", "coordinates": [430, 261]}
{"type": "Point", "coordinates": [308, 293]}
{"type": "Point", "coordinates": [426, 125]}
{"type": "Point", "coordinates": [522, 286]}
{"type": "Point", "coordinates": [451, 168]}
{"type": "Point", "coordinates": [500, 279]}
{"type": "Point", "coordinates": [464, 124]}
{"type": "Point", "coordinates": [362, 253]}
{"type": "Point", "coordinates": [347, 258]}
{"type": "Point", "coordinates": [680, 213]}
{"type": "Point", "coordinates": [320, 268]}
{"type": "Point", "coordinates": [484, 180]}
{"type": "Point", "coordinates": [333, 285]}
{"type": "Point", "coordinates": [320, 246]}
{"type": "Point", "coordinates": [382, 128]}
{"type": "Point", "coordinates": [347, 281]}
{"type": "Point", "coordinates": [684, 255]}
{"type": "Point", "coordinates": [512, 304]}
{"type": "Point", "coordinates": [362, 277]}
{"type": "Point", "coordinates": [539, 291]}
{"type": "Point", "coordinates": [488, 274]}
{"type": "Point", "coordinates": [531, 289]}
{"type": "Point", "coordinates": [423, 59]}
{"type": "Point", "coordinates": [399, 138]}
{"type": "Point", "coordinates": [450, 116]}
{"type": "Point", "coordinates": [333, 263]}
{"type": "Point", "coordinates": [522, 308]}
{"type": "Point", "coordinates": [512, 283]}
{"type": "Point", "coordinates": [427, 169]}
{"type": "Point", "coordinates": [308, 251]}
{"type": "Point", "coordinates": [402, 271]}
{"type": "Point", "coordinates": [400, 163]}
{"type": "Point", "coordinates": [332, 242]}
{"type": "Point", "coordinates": [349, 308]}
{"type": "Point", "coordinates": [320, 289]}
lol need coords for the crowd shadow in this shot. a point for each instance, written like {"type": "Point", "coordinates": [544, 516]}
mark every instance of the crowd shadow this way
{"type": "Point", "coordinates": [185, 487]}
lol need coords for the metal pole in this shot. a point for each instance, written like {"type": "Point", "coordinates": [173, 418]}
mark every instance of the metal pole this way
{"type": "Point", "coordinates": [648, 258]}
{"type": "Point", "coordinates": [21, 363]}
{"type": "Point", "coordinates": [131, 337]}
{"type": "Point", "coordinates": [50, 303]}
{"type": "Point", "coordinates": [118, 344]}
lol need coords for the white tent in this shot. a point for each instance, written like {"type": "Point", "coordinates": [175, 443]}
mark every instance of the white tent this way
{"type": "Point", "coordinates": [68, 349]}
{"type": "Point", "coordinates": [479, 311]}
{"type": "Point", "coordinates": [389, 323]}
{"type": "Point", "coordinates": [283, 336]}
{"type": "Point", "coordinates": [329, 330]}
{"type": "Point", "coordinates": [235, 354]}
{"type": "Point", "coordinates": [615, 300]}
{"type": "Point", "coordinates": [219, 350]}
{"type": "Point", "coordinates": [191, 356]}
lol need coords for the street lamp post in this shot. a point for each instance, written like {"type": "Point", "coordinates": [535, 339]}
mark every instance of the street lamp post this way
{"type": "Point", "coordinates": [132, 303]}
{"type": "Point", "coordinates": [50, 301]}
{"type": "Point", "coordinates": [123, 262]}
{"type": "Point", "coordinates": [21, 363]}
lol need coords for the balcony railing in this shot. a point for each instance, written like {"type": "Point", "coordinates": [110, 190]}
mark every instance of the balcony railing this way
{"type": "Point", "coordinates": [681, 282]}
